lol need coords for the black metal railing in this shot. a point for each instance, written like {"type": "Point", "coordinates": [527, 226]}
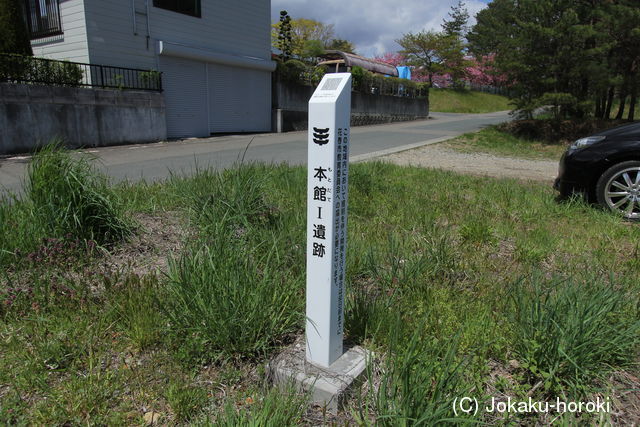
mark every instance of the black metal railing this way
{"type": "Point", "coordinates": [43, 18]}
{"type": "Point", "coordinates": [393, 87]}
{"type": "Point", "coordinates": [496, 90]}
{"type": "Point", "coordinates": [376, 84]}
{"type": "Point", "coordinates": [28, 69]}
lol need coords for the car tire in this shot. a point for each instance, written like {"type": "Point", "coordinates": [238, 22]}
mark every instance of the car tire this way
{"type": "Point", "coordinates": [618, 189]}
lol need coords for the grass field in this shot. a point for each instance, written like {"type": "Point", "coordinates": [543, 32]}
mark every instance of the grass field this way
{"type": "Point", "coordinates": [494, 141]}
{"type": "Point", "coordinates": [462, 286]}
{"type": "Point", "coordinates": [466, 101]}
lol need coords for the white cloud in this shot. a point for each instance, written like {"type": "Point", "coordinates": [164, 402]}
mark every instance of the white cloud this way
{"type": "Point", "coordinates": [373, 25]}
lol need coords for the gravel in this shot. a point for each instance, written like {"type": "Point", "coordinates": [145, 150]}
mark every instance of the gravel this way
{"type": "Point", "coordinates": [481, 164]}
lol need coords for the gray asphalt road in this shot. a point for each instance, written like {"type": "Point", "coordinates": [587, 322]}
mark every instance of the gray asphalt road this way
{"type": "Point", "coordinates": [156, 161]}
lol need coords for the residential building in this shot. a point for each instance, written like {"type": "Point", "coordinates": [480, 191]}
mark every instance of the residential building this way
{"type": "Point", "coordinates": [215, 55]}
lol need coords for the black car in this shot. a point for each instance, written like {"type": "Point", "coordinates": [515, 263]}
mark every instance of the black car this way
{"type": "Point", "coordinates": [606, 168]}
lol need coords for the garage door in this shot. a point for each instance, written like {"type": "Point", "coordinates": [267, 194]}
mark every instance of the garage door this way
{"type": "Point", "coordinates": [185, 92]}
{"type": "Point", "coordinates": [239, 99]}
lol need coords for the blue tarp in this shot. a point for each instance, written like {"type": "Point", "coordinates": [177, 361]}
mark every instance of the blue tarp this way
{"type": "Point", "coordinates": [404, 72]}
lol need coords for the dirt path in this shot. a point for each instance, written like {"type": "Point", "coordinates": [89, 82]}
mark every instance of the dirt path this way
{"type": "Point", "coordinates": [440, 157]}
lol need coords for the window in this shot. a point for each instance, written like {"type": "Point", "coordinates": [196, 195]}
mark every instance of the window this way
{"type": "Point", "coordinates": [43, 18]}
{"type": "Point", "coordinates": [188, 7]}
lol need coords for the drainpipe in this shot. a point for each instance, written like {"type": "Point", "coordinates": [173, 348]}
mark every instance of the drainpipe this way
{"type": "Point", "coordinates": [133, 11]}
{"type": "Point", "coordinates": [146, 2]}
{"type": "Point", "coordinates": [156, 55]}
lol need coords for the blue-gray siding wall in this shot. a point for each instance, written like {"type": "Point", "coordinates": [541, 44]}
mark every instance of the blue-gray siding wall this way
{"type": "Point", "coordinates": [232, 27]}
{"type": "Point", "coordinates": [72, 45]}
{"type": "Point", "coordinates": [127, 33]}
{"type": "Point", "coordinates": [112, 40]}
{"type": "Point", "coordinates": [110, 37]}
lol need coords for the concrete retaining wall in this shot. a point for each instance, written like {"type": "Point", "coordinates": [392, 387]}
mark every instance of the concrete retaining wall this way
{"type": "Point", "coordinates": [290, 107]}
{"type": "Point", "coordinates": [32, 115]}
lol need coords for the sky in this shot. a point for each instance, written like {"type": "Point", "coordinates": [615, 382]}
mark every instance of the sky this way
{"type": "Point", "coordinates": [373, 25]}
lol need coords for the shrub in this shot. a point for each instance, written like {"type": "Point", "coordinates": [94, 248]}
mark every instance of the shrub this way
{"type": "Point", "coordinates": [313, 75]}
{"type": "Point", "coordinates": [555, 131]}
{"type": "Point", "coordinates": [70, 198]}
{"type": "Point", "coordinates": [298, 72]}
{"type": "Point", "coordinates": [14, 36]}
{"type": "Point", "coordinates": [27, 69]}
{"type": "Point", "coordinates": [367, 82]}
{"type": "Point", "coordinates": [291, 71]}
{"type": "Point", "coordinates": [15, 68]}
{"type": "Point", "coordinates": [150, 79]}
{"type": "Point", "coordinates": [357, 77]}
{"type": "Point", "coordinates": [61, 73]}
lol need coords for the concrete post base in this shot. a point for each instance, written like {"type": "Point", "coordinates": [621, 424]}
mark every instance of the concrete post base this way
{"type": "Point", "coordinates": [328, 387]}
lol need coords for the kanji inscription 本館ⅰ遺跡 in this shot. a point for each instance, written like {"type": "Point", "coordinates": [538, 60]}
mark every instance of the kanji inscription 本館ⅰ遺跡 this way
{"type": "Point", "coordinates": [327, 183]}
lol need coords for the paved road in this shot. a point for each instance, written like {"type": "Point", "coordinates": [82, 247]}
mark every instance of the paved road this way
{"type": "Point", "coordinates": [155, 161]}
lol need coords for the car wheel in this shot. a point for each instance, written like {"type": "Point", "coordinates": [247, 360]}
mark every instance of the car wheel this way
{"type": "Point", "coordinates": [618, 189]}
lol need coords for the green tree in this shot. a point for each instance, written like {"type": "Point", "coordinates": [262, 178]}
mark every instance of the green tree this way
{"type": "Point", "coordinates": [308, 29]}
{"type": "Point", "coordinates": [341, 45]}
{"type": "Point", "coordinates": [434, 53]}
{"type": "Point", "coordinates": [312, 49]}
{"type": "Point", "coordinates": [458, 22]}
{"type": "Point", "coordinates": [284, 40]}
{"type": "Point", "coordinates": [14, 37]}
{"type": "Point", "coordinates": [309, 38]}
{"type": "Point", "coordinates": [574, 55]}
{"type": "Point", "coordinates": [622, 24]}
{"type": "Point", "coordinates": [545, 49]}
{"type": "Point", "coordinates": [302, 31]}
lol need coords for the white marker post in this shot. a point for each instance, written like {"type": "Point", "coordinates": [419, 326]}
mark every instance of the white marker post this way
{"type": "Point", "coordinates": [328, 170]}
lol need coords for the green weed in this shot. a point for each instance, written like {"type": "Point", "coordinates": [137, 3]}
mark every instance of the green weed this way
{"type": "Point", "coordinates": [275, 408]}
{"type": "Point", "coordinates": [423, 266]}
{"type": "Point", "coordinates": [236, 197]}
{"type": "Point", "coordinates": [396, 275]}
{"type": "Point", "coordinates": [19, 233]}
{"type": "Point", "coordinates": [34, 291]}
{"type": "Point", "coordinates": [70, 197]}
{"type": "Point", "coordinates": [421, 378]}
{"type": "Point", "coordinates": [232, 291]}
{"type": "Point", "coordinates": [186, 401]}
{"type": "Point", "coordinates": [135, 302]}
{"type": "Point", "coordinates": [571, 332]}
{"type": "Point", "coordinates": [478, 232]}
{"type": "Point", "coordinates": [84, 399]}
{"type": "Point", "coordinates": [370, 311]}
{"type": "Point", "coordinates": [231, 301]}
{"type": "Point", "coordinates": [66, 199]}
